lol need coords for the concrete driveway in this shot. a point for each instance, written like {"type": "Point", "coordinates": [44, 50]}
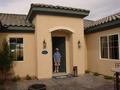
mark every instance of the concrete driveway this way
{"type": "Point", "coordinates": [83, 82]}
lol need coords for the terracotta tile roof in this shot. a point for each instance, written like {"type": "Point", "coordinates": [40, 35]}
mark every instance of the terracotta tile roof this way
{"type": "Point", "coordinates": [20, 20]}
{"type": "Point", "coordinates": [46, 9]}
{"type": "Point", "coordinates": [87, 23]}
{"type": "Point", "coordinates": [102, 21]}
{"type": "Point", "coordinates": [57, 7]}
{"type": "Point", "coordinates": [14, 20]}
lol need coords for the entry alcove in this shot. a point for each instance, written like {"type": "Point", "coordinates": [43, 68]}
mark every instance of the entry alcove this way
{"type": "Point", "coordinates": [62, 39]}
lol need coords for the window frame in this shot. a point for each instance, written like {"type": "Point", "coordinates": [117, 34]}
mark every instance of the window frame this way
{"type": "Point", "coordinates": [107, 35]}
{"type": "Point", "coordinates": [16, 48]}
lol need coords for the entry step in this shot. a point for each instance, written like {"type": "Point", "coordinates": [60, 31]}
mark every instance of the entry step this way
{"type": "Point", "coordinates": [61, 75]}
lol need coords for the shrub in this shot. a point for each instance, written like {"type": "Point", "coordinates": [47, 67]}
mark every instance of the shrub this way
{"type": "Point", "coordinates": [86, 71]}
{"type": "Point", "coordinates": [1, 82]}
{"type": "Point", "coordinates": [28, 77]}
{"type": "Point", "coordinates": [16, 78]}
{"type": "Point", "coordinates": [34, 78]}
{"type": "Point", "coordinates": [2, 87]}
{"type": "Point", "coordinates": [108, 77]}
{"type": "Point", "coordinates": [96, 74]}
{"type": "Point", "coordinates": [6, 60]}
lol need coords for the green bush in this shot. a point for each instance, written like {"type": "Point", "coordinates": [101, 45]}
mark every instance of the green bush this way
{"type": "Point", "coordinates": [16, 78]}
{"type": "Point", "coordinates": [34, 78]}
{"type": "Point", "coordinates": [2, 87]}
{"type": "Point", "coordinates": [96, 74]}
{"type": "Point", "coordinates": [1, 82]}
{"type": "Point", "coordinates": [108, 77]}
{"type": "Point", "coordinates": [86, 71]}
{"type": "Point", "coordinates": [28, 77]}
{"type": "Point", "coordinates": [6, 60]}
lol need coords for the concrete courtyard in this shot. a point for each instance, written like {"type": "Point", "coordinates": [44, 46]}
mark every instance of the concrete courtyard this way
{"type": "Point", "coordinates": [83, 82]}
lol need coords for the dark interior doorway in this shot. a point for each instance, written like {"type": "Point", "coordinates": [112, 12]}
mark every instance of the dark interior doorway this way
{"type": "Point", "coordinates": [59, 42]}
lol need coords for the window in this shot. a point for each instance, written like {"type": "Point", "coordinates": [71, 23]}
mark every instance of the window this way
{"type": "Point", "coordinates": [110, 46]}
{"type": "Point", "coordinates": [104, 47]}
{"type": "Point", "coordinates": [16, 46]}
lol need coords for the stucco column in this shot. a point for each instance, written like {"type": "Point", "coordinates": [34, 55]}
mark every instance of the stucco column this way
{"type": "Point", "coordinates": [78, 53]}
{"type": "Point", "coordinates": [44, 61]}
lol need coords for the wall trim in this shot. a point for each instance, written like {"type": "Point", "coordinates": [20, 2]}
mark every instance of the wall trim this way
{"type": "Point", "coordinates": [61, 28]}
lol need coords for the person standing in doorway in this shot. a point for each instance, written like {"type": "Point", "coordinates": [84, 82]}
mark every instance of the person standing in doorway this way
{"type": "Point", "coordinates": [57, 59]}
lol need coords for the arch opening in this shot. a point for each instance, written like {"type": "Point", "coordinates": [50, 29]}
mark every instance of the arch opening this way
{"type": "Point", "coordinates": [62, 39]}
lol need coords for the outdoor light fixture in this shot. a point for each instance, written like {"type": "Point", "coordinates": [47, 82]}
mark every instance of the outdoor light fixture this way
{"type": "Point", "coordinates": [44, 44]}
{"type": "Point", "coordinates": [78, 43]}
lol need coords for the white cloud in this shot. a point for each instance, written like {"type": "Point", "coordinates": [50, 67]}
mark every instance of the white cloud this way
{"type": "Point", "coordinates": [98, 8]}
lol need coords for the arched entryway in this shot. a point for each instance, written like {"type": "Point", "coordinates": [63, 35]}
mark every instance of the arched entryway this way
{"type": "Point", "coordinates": [62, 39]}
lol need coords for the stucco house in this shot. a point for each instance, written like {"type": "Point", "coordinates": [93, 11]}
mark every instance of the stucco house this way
{"type": "Point", "coordinates": [89, 45]}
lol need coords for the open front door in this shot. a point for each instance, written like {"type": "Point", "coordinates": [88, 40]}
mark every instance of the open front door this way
{"type": "Point", "coordinates": [59, 42]}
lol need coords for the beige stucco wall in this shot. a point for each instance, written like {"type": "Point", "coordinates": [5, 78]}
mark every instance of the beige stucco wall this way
{"type": "Point", "coordinates": [27, 66]}
{"type": "Point", "coordinates": [95, 64]}
{"type": "Point", "coordinates": [44, 24]}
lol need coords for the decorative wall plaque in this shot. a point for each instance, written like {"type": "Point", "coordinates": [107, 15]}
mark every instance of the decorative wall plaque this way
{"type": "Point", "coordinates": [44, 52]}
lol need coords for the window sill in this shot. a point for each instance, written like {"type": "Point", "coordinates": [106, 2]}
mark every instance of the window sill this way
{"type": "Point", "coordinates": [113, 60]}
{"type": "Point", "coordinates": [18, 61]}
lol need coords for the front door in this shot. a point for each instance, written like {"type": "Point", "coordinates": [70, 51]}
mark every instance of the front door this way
{"type": "Point", "coordinates": [59, 42]}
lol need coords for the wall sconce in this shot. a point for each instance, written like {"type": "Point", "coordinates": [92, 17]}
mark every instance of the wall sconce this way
{"type": "Point", "coordinates": [79, 44]}
{"type": "Point", "coordinates": [44, 44]}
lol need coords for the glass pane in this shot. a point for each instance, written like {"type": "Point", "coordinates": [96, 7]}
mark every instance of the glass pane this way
{"type": "Point", "coordinates": [113, 47]}
{"type": "Point", "coordinates": [105, 53]}
{"type": "Point", "coordinates": [19, 40]}
{"type": "Point", "coordinates": [19, 46]}
{"type": "Point", "coordinates": [12, 46]}
{"type": "Point", "coordinates": [12, 40]}
{"type": "Point", "coordinates": [104, 47]}
{"type": "Point", "coordinates": [19, 55]}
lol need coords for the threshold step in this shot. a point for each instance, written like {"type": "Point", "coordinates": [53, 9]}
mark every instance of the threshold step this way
{"type": "Point", "coordinates": [61, 76]}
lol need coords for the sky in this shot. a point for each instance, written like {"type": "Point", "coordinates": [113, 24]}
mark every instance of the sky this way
{"type": "Point", "coordinates": [98, 8]}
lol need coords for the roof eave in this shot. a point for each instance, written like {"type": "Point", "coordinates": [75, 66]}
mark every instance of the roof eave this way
{"type": "Point", "coordinates": [103, 27]}
{"type": "Point", "coordinates": [58, 12]}
{"type": "Point", "coordinates": [17, 29]}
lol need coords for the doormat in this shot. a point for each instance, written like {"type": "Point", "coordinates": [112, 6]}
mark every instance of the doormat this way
{"type": "Point", "coordinates": [62, 77]}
